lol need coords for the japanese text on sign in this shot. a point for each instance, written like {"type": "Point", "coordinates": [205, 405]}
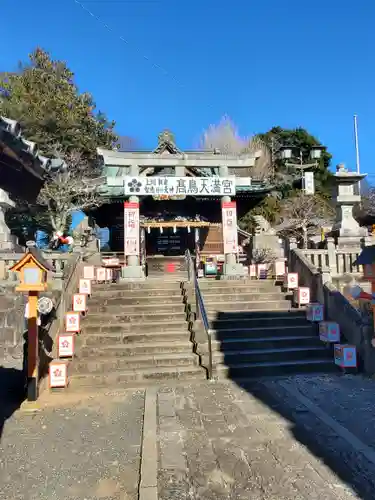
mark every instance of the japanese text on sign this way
{"type": "Point", "coordinates": [230, 234]}
{"type": "Point", "coordinates": [131, 228]}
{"type": "Point", "coordinates": [194, 186]}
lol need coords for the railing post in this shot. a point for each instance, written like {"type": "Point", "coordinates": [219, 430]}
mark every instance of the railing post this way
{"type": "Point", "coordinates": [332, 262]}
{"type": "Point", "coordinates": [197, 311]}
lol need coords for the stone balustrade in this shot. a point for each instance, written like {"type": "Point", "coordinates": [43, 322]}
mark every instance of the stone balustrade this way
{"type": "Point", "coordinates": [58, 260]}
{"type": "Point", "coordinates": [337, 261]}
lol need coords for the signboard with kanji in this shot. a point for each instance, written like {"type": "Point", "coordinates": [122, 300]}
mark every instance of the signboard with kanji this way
{"type": "Point", "coordinates": [66, 345]}
{"type": "Point", "coordinates": [329, 331]}
{"type": "Point", "coordinates": [188, 186]}
{"type": "Point", "coordinates": [72, 322]}
{"type": "Point", "coordinates": [230, 231]}
{"type": "Point", "coordinates": [315, 312]}
{"type": "Point", "coordinates": [79, 302]}
{"type": "Point", "coordinates": [302, 296]}
{"type": "Point", "coordinates": [291, 281]}
{"type": "Point", "coordinates": [101, 274]}
{"type": "Point", "coordinates": [85, 286]}
{"type": "Point", "coordinates": [131, 228]}
{"type": "Point", "coordinates": [345, 356]}
{"type": "Point", "coordinates": [58, 374]}
{"type": "Point", "coordinates": [89, 272]}
{"type": "Point", "coordinates": [280, 268]}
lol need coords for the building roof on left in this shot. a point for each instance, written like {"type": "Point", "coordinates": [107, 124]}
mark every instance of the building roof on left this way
{"type": "Point", "coordinates": [22, 168]}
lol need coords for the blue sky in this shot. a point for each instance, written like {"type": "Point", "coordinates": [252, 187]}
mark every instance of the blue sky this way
{"type": "Point", "coordinates": [185, 63]}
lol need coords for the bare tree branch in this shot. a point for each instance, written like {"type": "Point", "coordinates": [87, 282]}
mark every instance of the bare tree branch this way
{"type": "Point", "coordinates": [69, 189]}
{"type": "Point", "coordinates": [225, 138]}
{"type": "Point", "coordinates": [303, 216]}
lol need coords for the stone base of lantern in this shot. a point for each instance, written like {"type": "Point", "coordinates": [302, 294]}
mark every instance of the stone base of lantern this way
{"type": "Point", "coordinates": [132, 273]}
{"type": "Point", "coordinates": [234, 270]}
{"type": "Point", "coordinates": [350, 241]}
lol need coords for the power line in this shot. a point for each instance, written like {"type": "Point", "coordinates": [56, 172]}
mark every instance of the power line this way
{"type": "Point", "coordinates": [124, 40]}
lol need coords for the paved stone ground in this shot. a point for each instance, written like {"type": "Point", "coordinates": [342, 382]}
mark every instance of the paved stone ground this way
{"type": "Point", "coordinates": [87, 449]}
{"type": "Point", "coordinates": [220, 441]}
{"type": "Point", "coordinates": [305, 437]}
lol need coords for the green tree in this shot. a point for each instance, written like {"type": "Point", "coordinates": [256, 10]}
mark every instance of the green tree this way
{"type": "Point", "coordinates": [298, 139]}
{"type": "Point", "coordinates": [44, 99]}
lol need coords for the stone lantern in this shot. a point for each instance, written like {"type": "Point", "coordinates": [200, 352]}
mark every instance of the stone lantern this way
{"type": "Point", "coordinates": [346, 229]}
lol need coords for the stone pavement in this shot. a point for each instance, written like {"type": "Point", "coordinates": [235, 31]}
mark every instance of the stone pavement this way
{"type": "Point", "coordinates": [219, 441]}
{"type": "Point", "coordinates": [88, 449]}
{"type": "Point", "coordinates": [304, 437]}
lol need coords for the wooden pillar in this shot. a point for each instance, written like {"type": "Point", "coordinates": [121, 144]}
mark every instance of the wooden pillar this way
{"type": "Point", "coordinates": [33, 348]}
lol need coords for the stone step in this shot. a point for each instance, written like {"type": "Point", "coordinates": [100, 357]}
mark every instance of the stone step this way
{"type": "Point", "coordinates": [116, 292]}
{"type": "Point", "coordinates": [242, 297]}
{"type": "Point", "coordinates": [128, 350]}
{"type": "Point", "coordinates": [234, 358]}
{"type": "Point", "coordinates": [236, 290]}
{"type": "Point", "coordinates": [205, 284]}
{"type": "Point", "coordinates": [118, 316]}
{"type": "Point", "coordinates": [101, 339]}
{"type": "Point", "coordinates": [130, 299]}
{"type": "Point", "coordinates": [242, 343]}
{"type": "Point", "coordinates": [279, 368]}
{"type": "Point", "coordinates": [127, 377]}
{"type": "Point", "coordinates": [133, 362]}
{"type": "Point", "coordinates": [141, 309]}
{"type": "Point", "coordinates": [272, 305]}
{"type": "Point", "coordinates": [141, 327]}
{"type": "Point", "coordinates": [240, 319]}
{"type": "Point", "coordinates": [159, 283]}
{"type": "Point", "coordinates": [263, 332]}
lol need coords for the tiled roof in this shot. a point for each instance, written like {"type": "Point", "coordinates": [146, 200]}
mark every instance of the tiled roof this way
{"type": "Point", "coordinates": [11, 137]}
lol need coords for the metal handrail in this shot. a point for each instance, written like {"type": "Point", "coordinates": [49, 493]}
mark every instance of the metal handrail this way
{"type": "Point", "coordinates": [200, 307]}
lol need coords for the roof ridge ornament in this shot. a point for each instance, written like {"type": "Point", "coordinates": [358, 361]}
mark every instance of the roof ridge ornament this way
{"type": "Point", "coordinates": [166, 136]}
{"type": "Point", "coordinates": [166, 143]}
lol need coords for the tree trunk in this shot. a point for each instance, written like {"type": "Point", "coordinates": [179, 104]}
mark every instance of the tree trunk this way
{"type": "Point", "coordinates": [304, 236]}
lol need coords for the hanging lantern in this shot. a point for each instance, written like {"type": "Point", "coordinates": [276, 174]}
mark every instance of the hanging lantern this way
{"type": "Point", "coordinates": [161, 230]}
{"type": "Point", "coordinates": [174, 229]}
{"type": "Point", "coordinates": [188, 228]}
{"type": "Point", "coordinates": [149, 230]}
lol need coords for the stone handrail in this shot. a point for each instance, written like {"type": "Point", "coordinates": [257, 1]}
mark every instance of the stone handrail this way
{"type": "Point", "coordinates": [58, 260]}
{"type": "Point", "coordinates": [356, 326]}
{"type": "Point", "coordinates": [338, 261]}
{"type": "Point", "coordinates": [71, 274]}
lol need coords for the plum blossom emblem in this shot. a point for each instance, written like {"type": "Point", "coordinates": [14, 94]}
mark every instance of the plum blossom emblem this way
{"type": "Point", "coordinates": [134, 186]}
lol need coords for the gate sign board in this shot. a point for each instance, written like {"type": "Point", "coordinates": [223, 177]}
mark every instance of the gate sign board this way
{"type": "Point", "coordinates": [131, 228]}
{"type": "Point", "coordinates": [230, 234]}
{"type": "Point", "coordinates": [188, 186]}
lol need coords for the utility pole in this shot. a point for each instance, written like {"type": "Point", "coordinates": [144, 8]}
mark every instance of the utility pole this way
{"type": "Point", "coordinates": [356, 144]}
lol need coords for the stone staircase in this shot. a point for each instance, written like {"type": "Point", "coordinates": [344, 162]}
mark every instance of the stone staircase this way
{"type": "Point", "coordinates": [134, 334]}
{"type": "Point", "coordinates": [255, 332]}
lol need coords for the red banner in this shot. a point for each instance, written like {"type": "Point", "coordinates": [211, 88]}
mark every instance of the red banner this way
{"type": "Point", "coordinates": [131, 228]}
{"type": "Point", "coordinates": [230, 233]}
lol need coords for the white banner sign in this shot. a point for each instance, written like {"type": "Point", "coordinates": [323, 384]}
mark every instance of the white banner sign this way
{"type": "Point", "coordinates": [230, 233]}
{"type": "Point", "coordinates": [188, 186]}
{"type": "Point", "coordinates": [131, 228]}
{"type": "Point", "coordinates": [308, 183]}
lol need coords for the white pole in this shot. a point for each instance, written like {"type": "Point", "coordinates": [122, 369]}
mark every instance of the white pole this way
{"type": "Point", "coordinates": [356, 143]}
{"type": "Point", "coordinates": [357, 150]}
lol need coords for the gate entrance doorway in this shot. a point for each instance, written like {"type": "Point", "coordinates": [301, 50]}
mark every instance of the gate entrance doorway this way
{"type": "Point", "coordinates": [169, 242]}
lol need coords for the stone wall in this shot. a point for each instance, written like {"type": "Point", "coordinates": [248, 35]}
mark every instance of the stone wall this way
{"type": "Point", "coordinates": [356, 325]}
{"type": "Point", "coordinates": [12, 306]}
